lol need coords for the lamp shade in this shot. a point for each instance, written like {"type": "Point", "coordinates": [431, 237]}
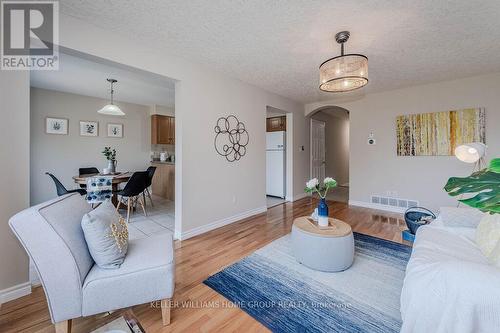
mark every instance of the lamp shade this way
{"type": "Point", "coordinates": [111, 110]}
{"type": "Point", "coordinates": [343, 73]}
{"type": "Point", "coordinates": [470, 152]}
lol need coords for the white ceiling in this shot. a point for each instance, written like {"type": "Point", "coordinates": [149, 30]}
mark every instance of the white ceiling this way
{"type": "Point", "coordinates": [278, 45]}
{"type": "Point", "coordinates": [88, 77]}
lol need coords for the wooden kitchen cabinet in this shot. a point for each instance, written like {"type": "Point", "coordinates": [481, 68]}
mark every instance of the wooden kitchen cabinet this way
{"type": "Point", "coordinates": [276, 124]}
{"type": "Point", "coordinates": [162, 129]}
{"type": "Point", "coordinates": [163, 183]}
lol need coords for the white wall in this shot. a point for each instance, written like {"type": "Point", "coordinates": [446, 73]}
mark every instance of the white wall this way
{"type": "Point", "coordinates": [337, 143]}
{"type": "Point", "coordinates": [62, 155]}
{"type": "Point", "coordinates": [14, 178]}
{"type": "Point", "coordinates": [209, 190]}
{"type": "Point", "coordinates": [377, 169]}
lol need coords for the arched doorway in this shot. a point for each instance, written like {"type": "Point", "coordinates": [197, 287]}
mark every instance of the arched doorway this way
{"type": "Point", "coordinates": [329, 140]}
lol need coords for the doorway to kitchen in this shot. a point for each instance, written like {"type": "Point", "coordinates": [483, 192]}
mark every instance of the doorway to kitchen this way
{"type": "Point", "coordinates": [278, 138]}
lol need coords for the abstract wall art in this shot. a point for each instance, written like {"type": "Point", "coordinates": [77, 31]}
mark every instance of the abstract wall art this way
{"type": "Point", "coordinates": [438, 133]}
{"type": "Point", "coordinates": [231, 138]}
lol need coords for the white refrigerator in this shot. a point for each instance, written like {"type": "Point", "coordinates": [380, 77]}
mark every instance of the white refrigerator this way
{"type": "Point", "coordinates": [275, 163]}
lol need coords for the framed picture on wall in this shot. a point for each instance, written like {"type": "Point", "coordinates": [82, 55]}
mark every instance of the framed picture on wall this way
{"type": "Point", "coordinates": [89, 128]}
{"type": "Point", "coordinates": [58, 126]}
{"type": "Point", "coordinates": [115, 130]}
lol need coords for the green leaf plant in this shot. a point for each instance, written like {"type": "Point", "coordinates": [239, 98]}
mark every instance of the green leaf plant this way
{"type": "Point", "coordinates": [482, 188]}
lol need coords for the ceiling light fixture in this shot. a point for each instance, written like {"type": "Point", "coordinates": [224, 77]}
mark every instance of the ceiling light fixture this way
{"type": "Point", "coordinates": [345, 72]}
{"type": "Point", "coordinates": [111, 109]}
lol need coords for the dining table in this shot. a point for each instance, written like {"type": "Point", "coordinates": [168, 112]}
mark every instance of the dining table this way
{"type": "Point", "coordinates": [118, 178]}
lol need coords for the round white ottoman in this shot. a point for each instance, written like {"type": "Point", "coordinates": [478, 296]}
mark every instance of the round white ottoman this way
{"type": "Point", "coordinates": [327, 249]}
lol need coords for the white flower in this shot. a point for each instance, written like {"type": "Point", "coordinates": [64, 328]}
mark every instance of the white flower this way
{"type": "Point", "coordinates": [328, 180]}
{"type": "Point", "coordinates": [312, 183]}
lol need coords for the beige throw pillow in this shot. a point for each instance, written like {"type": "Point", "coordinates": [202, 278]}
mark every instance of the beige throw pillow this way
{"type": "Point", "coordinates": [488, 237]}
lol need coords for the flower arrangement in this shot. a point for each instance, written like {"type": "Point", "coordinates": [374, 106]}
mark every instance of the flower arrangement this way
{"type": "Point", "coordinates": [109, 154]}
{"type": "Point", "coordinates": [321, 212]}
{"type": "Point", "coordinates": [313, 186]}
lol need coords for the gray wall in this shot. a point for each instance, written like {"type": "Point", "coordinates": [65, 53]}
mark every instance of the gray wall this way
{"type": "Point", "coordinates": [62, 155]}
{"type": "Point", "coordinates": [337, 143]}
{"type": "Point", "coordinates": [14, 178]}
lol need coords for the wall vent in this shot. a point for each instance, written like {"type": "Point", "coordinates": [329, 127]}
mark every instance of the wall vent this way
{"type": "Point", "coordinates": [413, 203]}
{"type": "Point", "coordinates": [393, 202]}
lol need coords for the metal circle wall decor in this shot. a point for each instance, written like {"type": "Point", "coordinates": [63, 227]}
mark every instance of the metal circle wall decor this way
{"type": "Point", "coordinates": [231, 138]}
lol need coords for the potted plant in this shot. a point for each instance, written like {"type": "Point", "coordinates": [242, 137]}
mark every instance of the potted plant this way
{"type": "Point", "coordinates": [313, 186]}
{"type": "Point", "coordinates": [482, 191]}
{"type": "Point", "coordinates": [110, 155]}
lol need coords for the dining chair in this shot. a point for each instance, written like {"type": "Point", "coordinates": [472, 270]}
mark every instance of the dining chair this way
{"type": "Point", "coordinates": [87, 171]}
{"type": "Point", "coordinates": [61, 190]}
{"type": "Point", "coordinates": [133, 192]}
{"type": "Point", "coordinates": [151, 172]}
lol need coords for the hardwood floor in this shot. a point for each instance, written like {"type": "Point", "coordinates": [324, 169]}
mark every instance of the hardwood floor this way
{"type": "Point", "coordinates": [197, 308]}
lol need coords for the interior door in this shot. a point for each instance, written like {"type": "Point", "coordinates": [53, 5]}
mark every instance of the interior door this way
{"type": "Point", "coordinates": [318, 158]}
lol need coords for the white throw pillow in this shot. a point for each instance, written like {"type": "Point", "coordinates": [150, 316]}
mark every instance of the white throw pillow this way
{"type": "Point", "coordinates": [488, 237]}
{"type": "Point", "coordinates": [460, 216]}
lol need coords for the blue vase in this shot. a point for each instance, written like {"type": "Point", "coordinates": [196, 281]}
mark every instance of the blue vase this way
{"type": "Point", "coordinates": [322, 213]}
{"type": "Point", "coordinates": [322, 208]}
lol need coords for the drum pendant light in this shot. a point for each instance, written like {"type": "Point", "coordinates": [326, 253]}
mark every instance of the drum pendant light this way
{"type": "Point", "coordinates": [345, 72]}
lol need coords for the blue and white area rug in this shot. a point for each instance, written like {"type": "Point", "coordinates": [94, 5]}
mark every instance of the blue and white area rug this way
{"type": "Point", "coordinates": [285, 296]}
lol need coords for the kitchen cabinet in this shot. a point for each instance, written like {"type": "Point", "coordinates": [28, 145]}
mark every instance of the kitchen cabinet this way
{"type": "Point", "coordinates": [162, 129]}
{"type": "Point", "coordinates": [163, 183]}
{"type": "Point", "coordinates": [276, 124]}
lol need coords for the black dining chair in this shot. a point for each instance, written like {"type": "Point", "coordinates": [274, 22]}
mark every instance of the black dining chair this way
{"type": "Point", "coordinates": [132, 192]}
{"type": "Point", "coordinates": [61, 190]}
{"type": "Point", "coordinates": [87, 171]}
{"type": "Point", "coordinates": [151, 172]}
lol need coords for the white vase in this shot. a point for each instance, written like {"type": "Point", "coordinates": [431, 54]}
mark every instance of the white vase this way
{"type": "Point", "coordinates": [323, 221]}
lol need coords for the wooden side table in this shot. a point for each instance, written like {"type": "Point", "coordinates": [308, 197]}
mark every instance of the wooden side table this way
{"type": "Point", "coordinates": [325, 249]}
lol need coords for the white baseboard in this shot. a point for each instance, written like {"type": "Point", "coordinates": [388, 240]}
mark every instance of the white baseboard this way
{"type": "Point", "coordinates": [220, 223]}
{"type": "Point", "coordinates": [300, 196]}
{"type": "Point", "coordinates": [14, 292]}
{"type": "Point", "coordinates": [377, 206]}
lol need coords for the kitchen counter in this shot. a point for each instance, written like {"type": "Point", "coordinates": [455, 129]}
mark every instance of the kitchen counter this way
{"type": "Point", "coordinates": [160, 162]}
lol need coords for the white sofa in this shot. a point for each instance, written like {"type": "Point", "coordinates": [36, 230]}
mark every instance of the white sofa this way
{"type": "Point", "coordinates": [449, 285]}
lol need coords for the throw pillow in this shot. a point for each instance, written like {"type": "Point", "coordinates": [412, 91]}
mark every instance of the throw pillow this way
{"type": "Point", "coordinates": [488, 237]}
{"type": "Point", "coordinates": [460, 217]}
{"type": "Point", "coordinates": [106, 235]}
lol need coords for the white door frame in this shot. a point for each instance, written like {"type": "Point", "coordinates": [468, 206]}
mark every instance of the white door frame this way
{"type": "Point", "coordinates": [311, 145]}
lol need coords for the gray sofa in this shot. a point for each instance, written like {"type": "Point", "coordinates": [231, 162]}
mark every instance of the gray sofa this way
{"type": "Point", "coordinates": [74, 286]}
